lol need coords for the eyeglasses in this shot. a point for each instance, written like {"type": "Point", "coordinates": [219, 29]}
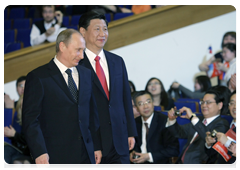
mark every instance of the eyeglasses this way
{"type": "Point", "coordinates": [206, 102]}
{"type": "Point", "coordinates": [156, 83]}
{"type": "Point", "coordinates": [232, 104]}
{"type": "Point", "coordinates": [143, 103]}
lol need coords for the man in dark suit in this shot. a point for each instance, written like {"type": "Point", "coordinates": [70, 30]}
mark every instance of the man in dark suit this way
{"type": "Point", "coordinates": [60, 119]}
{"type": "Point", "coordinates": [111, 90]}
{"type": "Point", "coordinates": [154, 144]}
{"type": "Point", "coordinates": [211, 106]}
{"type": "Point", "coordinates": [215, 157]}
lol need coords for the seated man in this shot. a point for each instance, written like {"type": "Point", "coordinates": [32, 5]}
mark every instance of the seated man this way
{"type": "Point", "coordinates": [212, 106]}
{"type": "Point", "coordinates": [214, 157]}
{"type": "Point", "coordinates": [154, 144]}
{"type": "Point", "coordinates": [49, 28]}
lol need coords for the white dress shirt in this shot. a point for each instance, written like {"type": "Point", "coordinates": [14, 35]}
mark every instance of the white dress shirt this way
{"type": "Point", "coordinates": [63, 68]}
{"type": "Point", "coordinates": [144, 142]}
{"type": "Point", "coordinates": [103, 62]}
{"type": "Point", "coordinates": [36, 38]}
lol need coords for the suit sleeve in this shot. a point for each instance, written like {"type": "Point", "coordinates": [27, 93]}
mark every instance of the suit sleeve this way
{"type": "Point", "coordinates": [128, 104]}
{"type": "Point", "coordinates": [33, 96]}
{"type": "Point", "coordinates": [94, 123]}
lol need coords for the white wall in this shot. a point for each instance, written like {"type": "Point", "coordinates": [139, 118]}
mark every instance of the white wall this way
{"type": "Point", "coordinates": [173, 56]}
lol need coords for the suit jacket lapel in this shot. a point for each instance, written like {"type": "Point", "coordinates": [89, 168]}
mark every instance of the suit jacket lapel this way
{"type": "Point", "coordinates": [139, 130]}
{"type": "Point", "coordinates": [81, 77]}
{"type": "Point", "coordinates": [86, 63]}
{"type": "Point", "coordinates": [152, 127]}
{"type": "Point", "coordinates": [58, 78]}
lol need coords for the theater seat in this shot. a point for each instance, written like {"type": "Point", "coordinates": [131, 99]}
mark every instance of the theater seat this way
{"type": "Point", "coordinates": [23, 35]}
{"type": "Point", "coordinates": [22, 23]}
{"type": "Point", "coordinates": [121, 15]}
{"type": "Point", "coordinates": [74, 20]}
{"type": "Point", "coordinates": [9, 36]}
{"type": "Point", "coordinates": [10, 47]}
{"type": "Point", "coordinates": [17, 13]}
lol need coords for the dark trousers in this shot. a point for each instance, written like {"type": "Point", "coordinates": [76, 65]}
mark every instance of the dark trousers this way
{"type": "Point", "coordinates": [114, 158]}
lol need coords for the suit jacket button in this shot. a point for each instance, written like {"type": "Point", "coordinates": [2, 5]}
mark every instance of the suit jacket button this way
{"type": "Point", "coordinates": [80, 121]}
{"type": "Point", "coordinates": [79, 137]}
{"type": "Point", "coordinates": [109, 106]}
{"type": "Point", "coordinates": [109, 123]}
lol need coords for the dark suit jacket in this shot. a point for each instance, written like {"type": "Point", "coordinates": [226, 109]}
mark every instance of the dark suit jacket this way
{"type": "Point", "coordinates": [53, 122]}
{"type": "Point", "coordinates": [196, 152]}
{"type": "Point", "coordinates": [116, 114]}
{"type": "Point", "coordinates": [160, 142]}
{"type": "Point", "coordinates": [215, 157]}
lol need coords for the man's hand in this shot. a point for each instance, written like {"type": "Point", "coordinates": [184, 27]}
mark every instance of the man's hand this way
{"type": "Point", "coordinates": [50, 31]}
{"type": "Point", "coordinates": [209, 139]}
{"type": "Point", "coordinates": [188, 111]}
{"type": "Point", "coordinates": [232, 148]}
{"type": "Point", "coordinates": [9, 131]}
{"type": "Point", "coordinates": [175, 85]}
{"type": "Point", "coordinates": [98, 156]}
{"type": "Point", "coordinates": [131, 142]}
{"type": "Point", "coordinates": [42, 159]}
{"type": "Point", "coordinates": [222, 137]}
{"type": "Point", "coordinates": [59, 17]}
{"type": "Point", "coordinates": [233, 81]}
{"type": "Point", "coordinates": [143, 158]}
{"type": "Point", "coordinates": [131, 156]}
{"type": "Point", "coordinates": [171, 115]}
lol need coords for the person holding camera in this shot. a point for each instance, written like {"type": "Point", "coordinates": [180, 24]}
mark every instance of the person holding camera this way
{"type": "Point", "coordinates": [154, 144]}
{"type": "Point", "coordinates": [226, 141]}
{"type": "Point", "coordinates": [47, 29]}
{"type": "Point", "coordinates": [195, 132]}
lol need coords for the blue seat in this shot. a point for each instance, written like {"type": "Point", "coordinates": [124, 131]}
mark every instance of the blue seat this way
{"type": "Point", "coordinates": [6, 12]}
{"type": "Point", "coordinates": [68, 10]}
{"type": "Point", "coordinates": [191, 105]}
{"type": "Point", "coordinates": [31, 12]}
{"type": "Point", "coordinates": [36, 20]}
{"type": "Point", "coordinates": [12, 47]}
{"type": "Point", "coordinates": [108, 17]}
{"type": "Point", "coordinates": [228, 118]}
{"type": "Point", "coordinates": [73, 27]}
{"type": "Point", "coordinates": [157, 108]}
{"type": "Point", "coordinates": [121, 15]}
{"type": "Point", "coordinates": [21, 23]}
{"type": "Point", "coordinates": [7, 122]}
{"type": "Point", "coordinates": [188, 100]}
{"type": "Point", "coordinates": [23, 35]}
{"type": "Point", "coordinates": [75, 19]}
{"type": "Point", "coordinates": [9, 36]}
{"type": "Point", "coordinates": [7, 24]}
{"type": "Point", "coordinates": [66, 21]}
{"type": "Point", "coordinates": [17, 13]}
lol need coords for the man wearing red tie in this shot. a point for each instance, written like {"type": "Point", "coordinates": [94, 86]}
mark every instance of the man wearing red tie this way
{"type": "Point", "coordinates": [195, 132]}
{"type": "Point", "coordinates": [111, 90]}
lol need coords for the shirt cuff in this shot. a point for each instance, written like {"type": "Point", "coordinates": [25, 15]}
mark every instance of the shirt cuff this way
{"type": "Point", "coordinates": [195, 120]}
{"type": "Point", "coordinates": [150, 157]}
{"type": "Point", "coordinates": [170, 122]}
{"type": "Point", "coordinates": [208, 147]}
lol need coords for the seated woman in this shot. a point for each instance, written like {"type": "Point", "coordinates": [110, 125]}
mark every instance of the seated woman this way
{"type": "Point", "coordinates": [201, 85]}
{"type": "Point", "coordinates": [18, 152]}
{"type": "Point", "coordinates": [229, 37]}
{"type": "Point", "coordinates": [160, 96]}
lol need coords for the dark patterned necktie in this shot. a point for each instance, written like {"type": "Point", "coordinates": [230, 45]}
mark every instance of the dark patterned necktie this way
{"type": "Point", "coordinates": [71, 85]}
{"type": "Point", "coordinates": [147, 130]}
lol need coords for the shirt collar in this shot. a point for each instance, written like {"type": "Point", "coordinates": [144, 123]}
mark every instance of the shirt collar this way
{"type": "Point", "coordinates": [210, 119]}
{"type": "Point", "coordinates": [233, 123]}
{"type": "Point", "coordinates": [91, 56]}
{"type": "Point", "coordinates": [149, 120]}
{"type": "Point", "coordinates": [52, 22]}
{"type": "Point", "coordinates": [61, 66]}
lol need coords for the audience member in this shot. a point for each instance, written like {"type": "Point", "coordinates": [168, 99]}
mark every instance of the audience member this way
{"type": "Point", "coordinates": [135, 111]}
{"type": "Point", "coordinates": [132, 86]}
{"type": "Point", "coordinates": [49, 28]}
{"type": "Point", "coordinates": [201, 85]}
{"type": "Point", "coordinates": [227, 142]}
{"type": "Point", "coordinates": [154, 144]}
{"type": "Point", "coordinates": [17, 152]}
{"type": "Point", "coordinates": [195, 132]}
{"type": "Point", "coordinates": [229, 55]}
{"type": "Point", "coordinates": [229, 37]}
{"type": "Point", "coordinates": [160, 96]}
{"type": "Point", "coordinates": [20, 84]}
{"type": "Point", "coordinates": [137, 9]}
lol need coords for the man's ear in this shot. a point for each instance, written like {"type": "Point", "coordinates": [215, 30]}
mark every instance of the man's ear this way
{"type": "Point", "coordinates": [82, 31]}
{"type": "Point", "coordinates": [220, 105]}
{"type": "Point", "coordinates": [62, 46]}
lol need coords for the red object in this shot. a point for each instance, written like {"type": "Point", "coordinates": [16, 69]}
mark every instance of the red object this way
{"type": "Point", "coordinates": [101, 76]}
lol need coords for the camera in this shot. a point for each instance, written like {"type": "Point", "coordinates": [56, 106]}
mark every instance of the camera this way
{"type": "Point", "coordinates": [135, 156]}
{"type": "Point", "coordinates": [214, 133]}
{"type": "Point", "coordinates": [177, 113]}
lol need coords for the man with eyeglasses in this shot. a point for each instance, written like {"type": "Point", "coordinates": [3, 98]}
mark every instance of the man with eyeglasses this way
{"type": "Point", "coordinates": [47, 29]}
{"type": "Point", "coordinates": [154, 144]}
{"type": "Point", "coordinates": [226, 141]}
{"type": "Point", "coordinates": [195, 132]}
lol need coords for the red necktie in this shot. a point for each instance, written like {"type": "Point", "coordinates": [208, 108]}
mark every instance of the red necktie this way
{"type": "Point", "coordinates": [101, 76]}
{"type": "Point", "coordinates": [233, 126]}
{"type": "Point", "coordinates": [204, 122]}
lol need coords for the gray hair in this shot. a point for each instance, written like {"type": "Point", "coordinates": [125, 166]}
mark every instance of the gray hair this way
{"type": "Point", "coordinates": [65, 37]}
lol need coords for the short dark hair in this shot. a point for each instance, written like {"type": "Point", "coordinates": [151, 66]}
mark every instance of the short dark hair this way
{"type": "Point", "coordinates": [231, 33]}
{"type": "Point", "coordinates": [132, 85]}
{"type": "Point", "coordinates": [65, 37]}
{"type": "Point", "coordinates": [20, 79]}
{"type": "Point", "coordinates": [85, 19]}
{"type": "Point", "coordinates": [204, 82]}
{"type": "Point", "coordinates": [222, 94]}
{"type": "Point", "coordinates": [231, 47]}
{"type": "Point", "coordinates": [234, 92]}
{"type": "Point", "coordinates": [140, 93]}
